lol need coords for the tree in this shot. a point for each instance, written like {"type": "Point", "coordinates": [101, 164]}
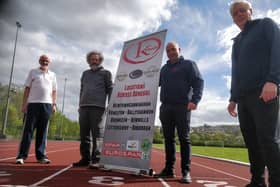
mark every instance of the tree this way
{"type": "Point", "coordinates": [158, 137]}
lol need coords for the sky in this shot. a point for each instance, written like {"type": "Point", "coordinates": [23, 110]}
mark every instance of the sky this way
{"type": "Point", "coordinates": [67, 30]}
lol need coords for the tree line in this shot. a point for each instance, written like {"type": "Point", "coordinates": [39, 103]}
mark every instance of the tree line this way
{"type": "Point", "coordinates": [61, 127]}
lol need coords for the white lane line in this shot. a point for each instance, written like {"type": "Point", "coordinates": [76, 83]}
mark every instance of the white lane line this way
{"type": "Point", "coordinates": [163, 182]}
{"type": "Point", "coordinates": [223, 172]}
{"type": "Point", "coordinates": [50, 177]}
{"type": "Point", "coordinates": [3, 159]}
{"type": "Point", "coordinates": [222, 159]}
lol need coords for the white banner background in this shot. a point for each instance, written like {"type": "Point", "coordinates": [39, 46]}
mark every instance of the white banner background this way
{"type": "Point", "coordinates": [131, 112]}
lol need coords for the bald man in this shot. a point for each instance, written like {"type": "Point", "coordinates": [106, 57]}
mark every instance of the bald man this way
{"type": "Point", "coordinates": [181, 90]}
{"type": "Point", "coordinates": [39, 101]}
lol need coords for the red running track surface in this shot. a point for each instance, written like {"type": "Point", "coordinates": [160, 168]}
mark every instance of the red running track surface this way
{"type": "Point", "coordinates": [205, 172]}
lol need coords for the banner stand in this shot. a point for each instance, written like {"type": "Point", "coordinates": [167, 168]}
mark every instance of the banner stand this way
{"type": "Point", "coordinates": [129, 127]}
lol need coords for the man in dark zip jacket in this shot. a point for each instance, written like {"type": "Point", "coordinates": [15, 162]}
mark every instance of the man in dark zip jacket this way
{"type": "Point", "coordinates": [96, 87]}
{"type": "Point", "coordinates": [255, 90]}
{"type": "Point", "coordinates": [181, 90]}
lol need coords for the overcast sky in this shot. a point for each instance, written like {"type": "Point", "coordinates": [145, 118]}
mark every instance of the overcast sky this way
{"type": "Point", "coordinates": [67, 29]}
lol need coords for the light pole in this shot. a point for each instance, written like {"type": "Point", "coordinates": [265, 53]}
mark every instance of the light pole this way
{"type": "Point", "coordinates": [2, 134]}
{"type": "Point", "coordinates": [62, 110]}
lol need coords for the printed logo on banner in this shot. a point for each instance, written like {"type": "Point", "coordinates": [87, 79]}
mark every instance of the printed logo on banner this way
{"type": "Point", "coordinates": [122, 76]}
{"type": "Point", "coordinates": [143, 51]}
{"type": "Point", "coordinates": [136, 74]}
{"type": "Point", "coordinates": [151, 71]}
{"type": "Point", "coordinates": [145, 156]}
{"type": "Point", "coordinates": [146, 145]}
{"type": "Point", "coordinates": [132, 145]}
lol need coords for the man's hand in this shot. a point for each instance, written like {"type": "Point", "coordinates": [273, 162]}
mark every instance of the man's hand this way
{"type": "Point", "coordinates": [231, 109]}
{"type": "Point", "coordinates": [191, 106]}
{"type": "Point", "coordinates": [54, 108]}
{"type": "Point", "coordinates": [24, 108]}
{"type": "Point", "coordinates": [269, 91]}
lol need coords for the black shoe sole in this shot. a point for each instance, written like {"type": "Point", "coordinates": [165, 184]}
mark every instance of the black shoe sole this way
{"type": "Point", "coordinates": [164, 176]}
{"type": "Point", "coordinates": [80, 165]}
{"type": "Point", "coordinates": [185, 181]}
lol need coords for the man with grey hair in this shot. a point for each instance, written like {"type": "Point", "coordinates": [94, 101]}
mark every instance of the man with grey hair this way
{"type": "Point", "coordinates": [96, 86]}
{"type": "Point", "coordinates": [255, 91]}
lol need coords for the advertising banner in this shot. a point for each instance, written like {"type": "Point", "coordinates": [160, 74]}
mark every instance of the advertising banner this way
{"type": "Point", "coordinates": [131, 111]}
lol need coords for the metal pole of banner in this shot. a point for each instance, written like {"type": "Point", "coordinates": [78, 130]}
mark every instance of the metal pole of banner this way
{"type": "Point", "coordinates": [62, 110]}
{"type": "Point", "coordinates": [2, 134]}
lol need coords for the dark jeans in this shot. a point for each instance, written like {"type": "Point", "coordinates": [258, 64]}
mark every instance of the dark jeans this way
{"type": "Point", "coordinates": [171, 117]}
{"type": "Point", "coordinates": [259, 123]}
{"type": "Point", "coordinates": [89, 119]}
{"type": "Point", "coordinates": [38, 115]}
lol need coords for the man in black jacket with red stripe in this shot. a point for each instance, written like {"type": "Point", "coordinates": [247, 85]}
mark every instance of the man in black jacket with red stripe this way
{"type": "Point", "coordinates": [181, 90]}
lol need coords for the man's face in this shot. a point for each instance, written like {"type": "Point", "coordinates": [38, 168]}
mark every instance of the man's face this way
{"type": "Point", "coordinates": [172, 51]}
{"type": "Point", "coordinates": [241, 13]}
{"type": "Point", "coordinates": [94, 60]}
{"type": "Point", "coordinates": [44, 61]}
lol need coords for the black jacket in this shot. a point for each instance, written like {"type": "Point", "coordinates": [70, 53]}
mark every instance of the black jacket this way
{"type": "Point", "coordinates": [180, 82]}
{"type": "Point", "coordinates": [255, 57]}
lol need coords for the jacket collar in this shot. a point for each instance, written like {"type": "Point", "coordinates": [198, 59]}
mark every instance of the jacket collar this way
{"type": "Point", "coordinates": [246, 29]}
{"type": "Point", "coordinates": [97, 69]}
{"type": "Point", "coordinates": [180, 59]}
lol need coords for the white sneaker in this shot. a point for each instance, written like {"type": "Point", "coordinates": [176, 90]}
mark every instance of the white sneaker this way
{"type": "Point", "coordinates": [44, 161]}
{"type": "Point", "coordinates": [94, 166]}
{"type": "Point", "coordinates": [19, 161]}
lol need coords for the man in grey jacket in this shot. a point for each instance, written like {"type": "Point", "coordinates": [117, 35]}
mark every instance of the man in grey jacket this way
{"type": "Point", "coordinates": [96, 87]}
{"type": "Point", "coordinates": [255, 91]}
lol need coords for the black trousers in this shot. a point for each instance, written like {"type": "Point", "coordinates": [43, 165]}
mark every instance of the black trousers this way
{"type": "Point", "coordinates": [259, 123]}
{"type": "Point", "coordinates": [171, 117]}
{"type": "Point", "coordinates": [89, 119]}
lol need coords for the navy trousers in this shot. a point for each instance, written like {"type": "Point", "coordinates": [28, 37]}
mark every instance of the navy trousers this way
{"type": "Point", "coordinates": [37, 117]}
{"type": "Point", "coordinates": [259, 123]}
{"type": "Point", "coordinates": [171, 117]}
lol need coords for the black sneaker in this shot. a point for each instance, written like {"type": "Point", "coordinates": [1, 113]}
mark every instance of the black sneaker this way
{"type": "Point", "coordinates": [186, 178]}
{"type": "Point", "coordinates": [253, 184]}
{"type": "Point", "coordinates": [165, 173]}
{"type": "Point", "coordinates": [94, 163]}
{"type": "Point", "coordinates": [44, 161]}
{"type": "Point", "coordinates": [95, 160]}
{"type": "Point", "coordinates": [81, 163]}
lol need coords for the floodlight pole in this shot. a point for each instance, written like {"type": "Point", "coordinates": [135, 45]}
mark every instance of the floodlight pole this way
{"type": "Point", "coordinates": [62, 110]}
{"type": "Point", "coordinates": [2, 134]}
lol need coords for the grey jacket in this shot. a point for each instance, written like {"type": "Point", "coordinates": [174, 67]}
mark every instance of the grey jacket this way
{"type": "Point", "coordinates": [95, 87]}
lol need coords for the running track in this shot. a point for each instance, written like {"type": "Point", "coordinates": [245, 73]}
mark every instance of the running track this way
{"type": "Point", "coordinates": [205, 172]}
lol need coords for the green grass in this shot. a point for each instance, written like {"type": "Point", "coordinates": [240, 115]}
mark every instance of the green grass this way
{"type": "Point", "coordinates": [238, 154]}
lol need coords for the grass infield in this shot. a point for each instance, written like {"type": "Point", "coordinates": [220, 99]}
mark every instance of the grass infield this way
{"type": "Point", "coordinates": [238, 154]}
